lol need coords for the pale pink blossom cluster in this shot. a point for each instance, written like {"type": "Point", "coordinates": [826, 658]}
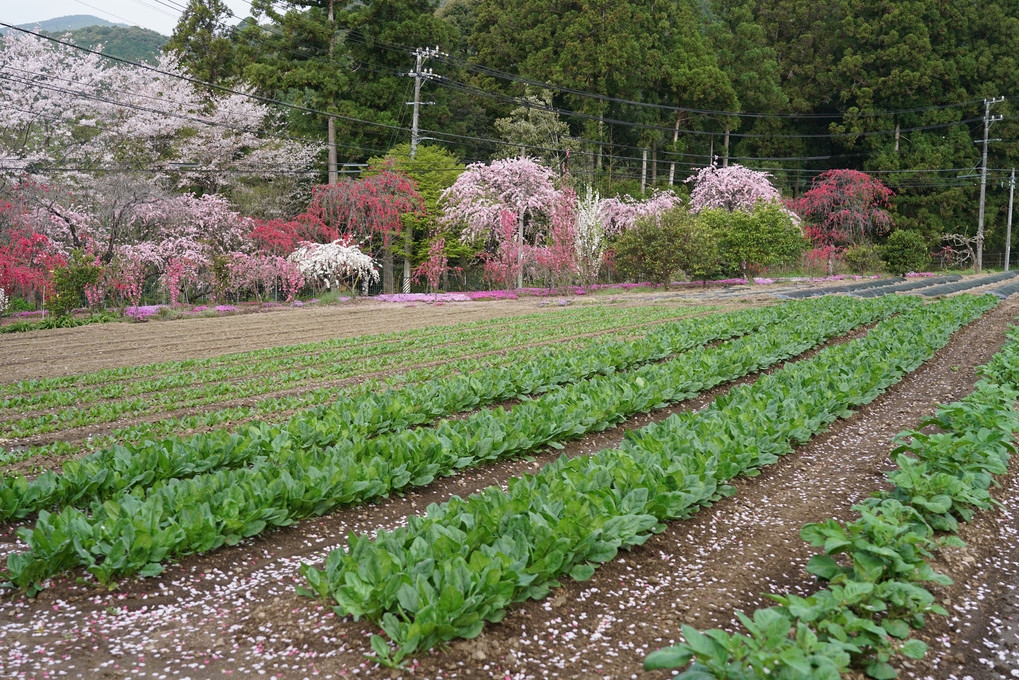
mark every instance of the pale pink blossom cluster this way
{"type": "Point", "coordinates": [617, 214]}
{"type": "Point", "coordinates": [733, 187]}
{"type": "Point", "coordinates": [5, 303]}
{"type": "Point", "coordinates": [331, 264]}
{"type": "Point", "coordinates": [483, 192]}
{"type": "Point", "coordinates": [68, 107]}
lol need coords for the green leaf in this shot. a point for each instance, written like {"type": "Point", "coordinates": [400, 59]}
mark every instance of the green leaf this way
{"type": "Point", "coordinates": [914, 649]}
{"type": "Point", "coordinates": [582, 572]}
{"type": "Point", "coordinates": [670, 657]}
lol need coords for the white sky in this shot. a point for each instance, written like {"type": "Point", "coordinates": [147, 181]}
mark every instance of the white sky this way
{"type": "Point", "coordinates": [158, 15]}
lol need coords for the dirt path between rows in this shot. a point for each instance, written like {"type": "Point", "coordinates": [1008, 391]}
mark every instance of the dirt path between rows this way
{"type": "Point", "coordinates": [234, 612]}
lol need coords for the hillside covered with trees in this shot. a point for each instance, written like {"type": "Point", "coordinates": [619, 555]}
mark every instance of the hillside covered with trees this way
{"type": "Point", "coordinates": [859, 120]}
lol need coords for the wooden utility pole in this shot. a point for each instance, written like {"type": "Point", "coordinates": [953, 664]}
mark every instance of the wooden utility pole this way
{"type": "Point", "coordinates": [421, 55]}
{"type": "Point", "coordinates": [331, 129]}
{"type": "Point", "coordinates": [1008, 228]}
{"type": "Point", "coordinates": [988, 120]}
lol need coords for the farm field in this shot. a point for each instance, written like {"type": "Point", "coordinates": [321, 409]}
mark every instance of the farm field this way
{"type": "Point", "coordinates": [437, 402]}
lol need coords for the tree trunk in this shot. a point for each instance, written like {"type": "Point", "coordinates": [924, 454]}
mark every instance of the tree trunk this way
{"type": "Point", "coordinates": [387, 270]}
{"type": "Point", "coordinates": [675, 138]}
{"type": "Point", "coordinates": [520, 251]}
{"type": "Point", "coordinates": [408, 240]}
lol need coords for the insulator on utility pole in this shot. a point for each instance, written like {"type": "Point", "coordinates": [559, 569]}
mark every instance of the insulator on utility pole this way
{"type": "Point", "coordinates": [988, 120]}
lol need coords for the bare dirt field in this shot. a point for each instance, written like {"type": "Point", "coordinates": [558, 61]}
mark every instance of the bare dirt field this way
{"type": "Point", "coordinates": [234, 612]}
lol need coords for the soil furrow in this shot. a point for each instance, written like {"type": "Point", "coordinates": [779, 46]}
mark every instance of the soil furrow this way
{"type": "Point", "coordinates": [236, 608]}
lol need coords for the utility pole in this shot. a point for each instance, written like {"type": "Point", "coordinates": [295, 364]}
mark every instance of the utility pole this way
{"type": "Point", "coordinates": [331, 129]}
{"type": "Point", "coordinates": [421, 55]}
{"type": "Point", "coordinates": [988, 120]}
{"type": "Point", "coordinates": [1008, 228]}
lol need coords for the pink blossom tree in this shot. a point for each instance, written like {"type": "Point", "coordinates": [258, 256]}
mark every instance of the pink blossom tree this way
{"type": "Point", "coordinates": [734, 187]}
{"type": "Point", "coordinates": [620, 213]}
{"type": "Point", "coordinates": [482, 195]}
{"type": "Point", "coordinates": [436, 265]}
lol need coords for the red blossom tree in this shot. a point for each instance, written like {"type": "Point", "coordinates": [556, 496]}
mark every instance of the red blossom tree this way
{"type": "Point", "coordinates": [367, 209]}
{"type": "Point", "coordinates": [844, 207]}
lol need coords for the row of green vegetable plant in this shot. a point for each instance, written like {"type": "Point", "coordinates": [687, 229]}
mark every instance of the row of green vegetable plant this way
{"type": "Point", "coordinates": [875, 567]}
{"type": "Point", "coordinates": [105, 473]}
{"type": "Point", "coordinates": [464, 562]}
{"type": "Point", "coordinates": [293, 478]}
{"type": "Point", "coordinates": [199, 393]}
{"type": "Point", "coordinates": [278, 409]}
{"type": "Point", "coordinates": [401, 339]}
{"type": "Point", "coordinates": [232, 370]}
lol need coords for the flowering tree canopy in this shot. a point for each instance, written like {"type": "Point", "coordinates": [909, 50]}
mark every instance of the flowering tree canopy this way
{"type": "Point", "coordinates": [72, 109]}
{"type": "Point", "coordinates": [482, 195]}
{"type": "Point", "coordinates": [482, 192]}
{"type": "Point", "coordinates": [734, 187]}
{"type": "Point", "coordinates": [618, 214]}
{"type": "Point", "coordinates": [844, 207]}
{"type": "Point", "coordinates": [330, 263]}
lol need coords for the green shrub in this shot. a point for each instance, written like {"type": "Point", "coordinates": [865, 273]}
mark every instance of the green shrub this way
{"type": "Point", "coordinates": [661, 245]}
{"type": "Point", "coordinates": [904, 252]}
{"type": "Point", "coordinates": [751, 241]}
{"type": "Point", "coordinates": [863, 258]}
{"type": "Point", "coordinates": [70, 281]}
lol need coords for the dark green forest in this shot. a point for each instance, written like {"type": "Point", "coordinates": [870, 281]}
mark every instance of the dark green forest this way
{"type": "Point", "coordinates": [897, 90]}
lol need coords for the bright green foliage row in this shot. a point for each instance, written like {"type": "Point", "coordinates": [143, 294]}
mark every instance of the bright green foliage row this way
{"type": "Point", "coordinates": [296, 478]}
{"type": "Point", "coordinates": [200, 392]}
{"type": "Point", "coordinates": [103, 474]}
{"type": "Point", "coordinates": [298, 357]}
{"type": "Point", "coordinates": [400, 340]}
{"type": "Point", "coordinates": [265, 409]}
{"type": "Point", "coordinates": [443, 575]}
{"type": "Point", "coordinates": [875, 594]}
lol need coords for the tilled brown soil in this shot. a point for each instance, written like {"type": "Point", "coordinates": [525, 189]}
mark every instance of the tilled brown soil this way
{"type": "Point", "coordinates": [70, 351]}
{"type": "Point", "coordinates": [234, 612]}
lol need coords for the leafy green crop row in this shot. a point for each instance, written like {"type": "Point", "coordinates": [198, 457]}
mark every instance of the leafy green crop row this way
{"type": "Point", "coordinates": [875, 594]}
{"type": "Point", "coordinates": [202, 393]}
{"type": "Point", "coordinates": [103, 474]}
{"type": "Point", "coordinates": [276, 409]}
{"type": "Point", "coordinates": [445, 574]}
{"type": "Point", "coordinates": [134, 532]}
{"type": "Point", "coordinates": [408, 339]}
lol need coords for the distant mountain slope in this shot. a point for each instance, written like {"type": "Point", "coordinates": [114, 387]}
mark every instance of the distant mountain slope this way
{"type": "Point", "coordinates": [119, 40]}
{"type": "Point", "coordinates": [69, 23]}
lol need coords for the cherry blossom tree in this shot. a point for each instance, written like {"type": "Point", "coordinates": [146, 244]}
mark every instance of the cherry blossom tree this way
{"type": "Point", "coordinates": [558, 257]}
{"type": "Point", "coordinates": [504, 265]}
{"type": "Point", "coordinates": [620, 213]}
{"type": "Point", "coordinates": [734, 187]}
{"type": "Point", "coordinates": [94, 119]}
{"type": "Point", "coordinates": [436, 265]}
{"type": "Point", "coordinates": [483, 193]}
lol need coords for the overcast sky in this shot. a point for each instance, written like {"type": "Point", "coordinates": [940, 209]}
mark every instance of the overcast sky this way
{"type": "Point", "coordinates": [159, 15]}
